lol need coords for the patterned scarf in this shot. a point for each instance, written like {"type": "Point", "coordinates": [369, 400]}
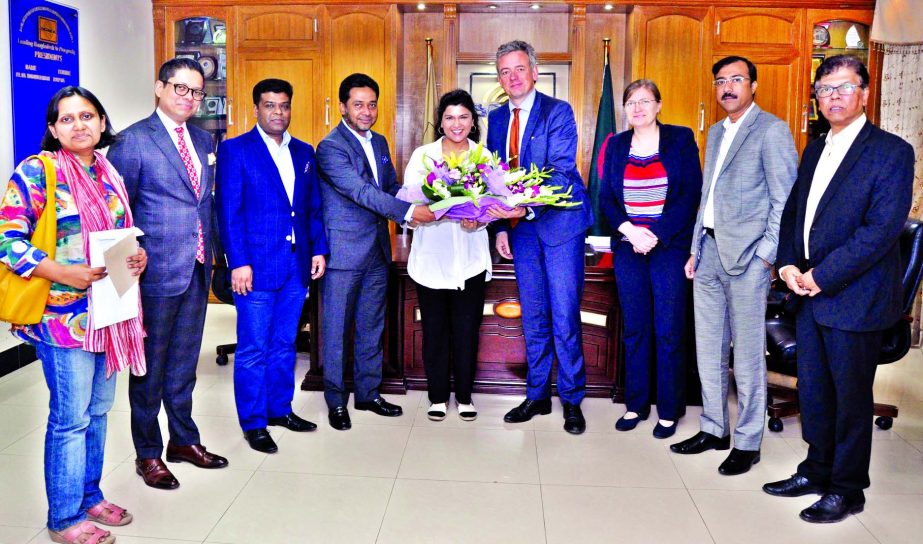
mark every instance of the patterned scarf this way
{"type": "Point", "coordinates": [123, 342]}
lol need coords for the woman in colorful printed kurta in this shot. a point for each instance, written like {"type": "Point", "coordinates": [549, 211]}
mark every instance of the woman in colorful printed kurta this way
{"type": "Point", "coordinates": [78, 360]}
{"type": "Point", "coordinates": [651, 182]}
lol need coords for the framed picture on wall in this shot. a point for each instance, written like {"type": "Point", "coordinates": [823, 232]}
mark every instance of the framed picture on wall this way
{"type": "Point", "coordinates": [812, 110]}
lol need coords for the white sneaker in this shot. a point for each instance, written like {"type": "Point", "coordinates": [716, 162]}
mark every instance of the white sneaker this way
{"type": "Point", "coordinates": [437, 411]}
{"type": "Point", "coordinates": [467, 412]}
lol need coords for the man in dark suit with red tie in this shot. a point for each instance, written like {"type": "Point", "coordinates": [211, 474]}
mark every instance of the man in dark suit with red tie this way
{"type": "Point", "coordinates": [839, 251]}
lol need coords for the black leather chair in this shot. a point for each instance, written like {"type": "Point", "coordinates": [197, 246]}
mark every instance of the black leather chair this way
{"type": "Point", "coordinates": [781, 344]}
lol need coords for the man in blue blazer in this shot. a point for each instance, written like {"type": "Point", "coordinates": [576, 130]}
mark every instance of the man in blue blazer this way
{"type": "Point", "coordinates": [838, 250]}
{"type": "Point", "coordinates": [167, 169]}
{"type": "Point", "coordinates": [269, 218]}
{"type": "Point", "coordinates": [358, 184]}
{"type": "Point", "coordinates": [547, 242]}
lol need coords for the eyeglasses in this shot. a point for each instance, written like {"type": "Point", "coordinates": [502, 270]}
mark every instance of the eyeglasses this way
{"type": "Point", "coordinates": [843, 89]}
{"type": "Point", "coordinates": [643, 103]}
{"type": "Point", "coordinates": [736, 80]}
{"type": "Point", "coordinates": [182, 90]}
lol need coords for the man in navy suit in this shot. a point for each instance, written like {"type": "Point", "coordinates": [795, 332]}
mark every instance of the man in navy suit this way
{"type": "Point", "coordinates": [838, 250]}
{"type": "Point", "coordinates": [166, 166]}
{"type": "Point", "coordinates": [547, 243]}
{"type": "Point", "coordinates": [358, 184]}
{"type": "Point", "coordinates": [269, 217]}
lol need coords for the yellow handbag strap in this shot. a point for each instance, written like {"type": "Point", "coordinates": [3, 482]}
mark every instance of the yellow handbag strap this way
{"type": "Point", "coordinates": [42, 238]}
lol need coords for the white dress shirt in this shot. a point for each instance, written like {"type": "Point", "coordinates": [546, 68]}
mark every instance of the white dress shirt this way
{"type": "Point", "coordinates": [443, 254]}
{"type": "Point", "coordinates": [171, 126]}
{"type": "Point", "coordinates": [282, 157]}
{"type": "Point", "coordinates": [835, 148]}
{"type": "Point", "coordinates": [730, 132]}
{"type": "Point", "coordinates": [366, 143]}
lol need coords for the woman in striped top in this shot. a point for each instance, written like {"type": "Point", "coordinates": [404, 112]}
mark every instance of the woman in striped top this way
{"type": "Point", "coordinates": [651, 184]}
{"type": "Point", "coordinates": [78, 359]}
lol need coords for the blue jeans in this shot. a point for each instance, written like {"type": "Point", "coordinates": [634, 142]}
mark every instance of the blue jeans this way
{"type": "Point", "coordinates": [264, 362]}
{"type": "Point", "coordinates": [81, 396]}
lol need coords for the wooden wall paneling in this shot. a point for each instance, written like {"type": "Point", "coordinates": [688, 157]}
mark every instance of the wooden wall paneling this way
{"type": "Point", "coordinates": [411, 85]}
{"type": "Point", "coordinates": [578, 73]}
{"type": "Point", "coordinates": [599, 26]}
{"type": "Point", "coordinates": [363, 38]}
{"type": "Point", "coordinates": [303, 69]}
{"type": "Point", "coordinates": [277, 26]}
{"type": "Point", "coordinates": [160, 39]}
{"type": "Point", "coordinates": [450, 46]}
{"type": "Point", "coordinates": [672, 47]}
{"type": "Point", "coordinates": [757, 27]}
{"type": "Point", "coordinates": [481, 33]}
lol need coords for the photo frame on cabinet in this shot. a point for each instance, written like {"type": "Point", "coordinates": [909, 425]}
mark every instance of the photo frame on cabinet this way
{"type": "Point", "coordinates": [816, 60]}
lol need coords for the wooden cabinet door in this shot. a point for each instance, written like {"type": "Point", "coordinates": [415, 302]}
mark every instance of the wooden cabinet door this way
{"type": "Point", "coordinates": [278, 26]}
{"type": "Point", "coordinates": [757, 29]}
{"type": "Point", "coordinates": [302, 69]}
{"type": "Point", "coordinates": [672, 47]}
{"type": "Point", "coordinates": [363, 39]}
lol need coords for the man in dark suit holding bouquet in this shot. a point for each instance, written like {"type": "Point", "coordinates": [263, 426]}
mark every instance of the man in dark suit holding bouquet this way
{"type": "Point", "coordinates": [536, 129]}
{"type": "Point", "coordinates": [358, 184]}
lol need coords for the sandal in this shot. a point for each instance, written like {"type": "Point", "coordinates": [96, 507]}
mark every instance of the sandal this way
{"type": "Point", "coordinates": [82, 533]}
{"type": "Point", "coordinates": [107, 513]}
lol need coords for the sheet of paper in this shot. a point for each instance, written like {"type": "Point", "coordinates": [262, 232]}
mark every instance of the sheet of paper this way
{"type": "Point", "coordinates": [108, 306]}
{"type": "Point", "coordinates": [599, 243]}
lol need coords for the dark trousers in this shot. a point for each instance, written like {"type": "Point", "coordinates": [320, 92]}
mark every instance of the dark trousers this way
{"type": "Point", "coordinates": [451, 322]}
{"type": "Point", "coordinates": [836, 371]}
{"type": "Point", "coordinates": [653, 292]}
{"type": "Point", "coordinates": [354, 298]}
{"type": "Point", "coordinates": [174, 337]}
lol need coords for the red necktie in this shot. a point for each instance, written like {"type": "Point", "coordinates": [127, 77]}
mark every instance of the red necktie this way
{"type": "Point", "coordinates": [194, 178]}
{"type": "Point", "coordinates": [513, 154]}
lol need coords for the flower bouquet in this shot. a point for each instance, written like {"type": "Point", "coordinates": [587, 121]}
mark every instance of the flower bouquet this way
{"type": "Point", "coordinates": [465, 186]}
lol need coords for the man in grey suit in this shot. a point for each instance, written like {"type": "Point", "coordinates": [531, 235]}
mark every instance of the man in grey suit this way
{"type": "Point", "coordinates": [358, 184]}
{"type": "Point", "coordinates": [750, 167]}
{"type": "Point", "coordinates": [165, 163]}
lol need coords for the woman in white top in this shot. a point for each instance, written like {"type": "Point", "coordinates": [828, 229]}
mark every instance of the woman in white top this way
{"type": "Point", "coordinates": [450, 263]}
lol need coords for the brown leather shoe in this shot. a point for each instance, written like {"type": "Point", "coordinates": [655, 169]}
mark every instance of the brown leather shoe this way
{"type": "Point", "coordinates": [155, 473]}
{"type": "Point", "coordinates": [196, 455]}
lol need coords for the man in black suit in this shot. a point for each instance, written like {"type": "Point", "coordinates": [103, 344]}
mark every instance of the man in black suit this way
{"type": "Point", "coordinates": [838, 250]}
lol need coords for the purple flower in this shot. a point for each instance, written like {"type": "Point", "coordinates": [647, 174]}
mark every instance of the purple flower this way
{"type": "Point", "coordinates": [495, 182]}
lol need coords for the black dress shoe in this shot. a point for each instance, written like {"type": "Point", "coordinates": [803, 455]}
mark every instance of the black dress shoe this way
{"type": "Point", "coordinates": [629, 424]}
{"type": "Point", "coordinates": [795, 486]}
{"type": "Point", "coordinates": [380, 406]}
{"type": "Point", "coordinates": [574, 423]}
{"type": "Point", "coordinates": [702, 441]}
{"type": "Point", "coordinates": [527, 410]}
{"type": "Point", "coordinates": [293, 423]}
{"type": "Point", "coordinates": [339, 418]}
{"type": "Point", "coordinates": [260, 440]}
{"type": "Point", "coordinates": [738, 462]}
{"type": "Point", "coordinates": [831, 508]}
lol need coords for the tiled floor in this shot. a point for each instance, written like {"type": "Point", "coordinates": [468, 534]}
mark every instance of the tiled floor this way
{"type": "Point", "coordinates": [409, 479]}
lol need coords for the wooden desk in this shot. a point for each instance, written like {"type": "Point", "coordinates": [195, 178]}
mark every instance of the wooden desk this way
{"type": "Point", "coordinates": [501, 354]}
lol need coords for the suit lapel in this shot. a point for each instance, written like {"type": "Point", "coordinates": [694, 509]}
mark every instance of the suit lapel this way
{"type": "Point", "coordinates": [258, 147]}
{"type": "Point", "coordinates": [739, 138]}
{"type": "Point", "coordinates": [842, 172]}
{"type": "Point", "coordinates": [525, 151]}
{"type": "Point", "coordinates": [354, 144]}
{"type": "Point", "coordinates": [203, 147]}
{"type": "Point", "coordinates": [810, 159]}
{"type": "Point", "coordinates": [503, 131]}
{"type": "Point", "coordinates": [712, 148]}
{"type": "Point", "coordinates": [621, 156]}
{"type": "Point", "coordinates": [163, 140]}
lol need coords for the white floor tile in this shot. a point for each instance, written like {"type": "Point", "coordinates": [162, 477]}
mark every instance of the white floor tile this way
{"type": "Point", "coordinates": [427, 511]}
{"type": "Point", "coordinates": [277, 508]}
{"type": "Point", "coordinates": [476, 455]}
{"type": "Point", "coordinates": [17, 535]}
{"type": "Point", "coordinates": [639, 516]}
{"type": "Point", "coordinates": [733, 517]}
{"type": "Point", "coordinates": [894, 519]}
{"type": "Point", "coordinates": [777, 461]}
{"type": "Point", "coordinates": [18, 421]}
{"type": "Point", "coordinates": [605, 460]}
{"type": "Point", "coordinates": [22, 502]}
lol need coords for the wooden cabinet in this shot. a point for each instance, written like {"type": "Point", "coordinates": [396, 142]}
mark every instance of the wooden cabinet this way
{"type": "Point", "coordinates": [672, 47]}
{"type": "Point", "coordinates": [311, 45]}
{"type": "Point", "coordinates": [676, 47]}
